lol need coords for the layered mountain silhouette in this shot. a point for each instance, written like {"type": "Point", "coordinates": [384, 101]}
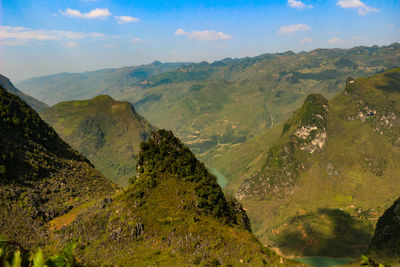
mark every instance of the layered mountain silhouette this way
{"type": "Point", "coordinates": [215, 106]}
{"type": "Point", "coordinates": [106, 131]}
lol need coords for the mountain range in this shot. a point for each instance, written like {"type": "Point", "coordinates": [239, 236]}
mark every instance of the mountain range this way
{"type": "Point", "coordinates": [174, 213]}
{"type": "Point", "coordinates": [213, 107]}
{"type": "Point", "coordinates": [308, 144]}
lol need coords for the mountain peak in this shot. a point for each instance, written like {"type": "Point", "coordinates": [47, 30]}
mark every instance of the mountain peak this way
{"type": "Point", "coordinates": [164, 154]}
{"type": "Point", "coordinates": [107, 131]}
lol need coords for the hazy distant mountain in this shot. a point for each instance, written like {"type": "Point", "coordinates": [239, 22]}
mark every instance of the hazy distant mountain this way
{"type": "Point", "coordinates": [35, 104]}
{"type": "Point", "coordinates": [41, 177]}
{"type": "Point", "coordinates": [174, 214]}
{"type": "Point", "coordinates": [72, 86]}
{"type": "Point", "coordinates": [108, 132]}
{"type": "Point", "coordinates": [316, 184]}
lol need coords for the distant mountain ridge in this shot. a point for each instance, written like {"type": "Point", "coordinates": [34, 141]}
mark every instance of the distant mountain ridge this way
{"type": "Point", "coordinates": [78, 86]}
{"type": "Point", "coordinates": [215, 106]}
{"type": "Point", "coordinates": [108, 132]}
{"type": "Point", "coordinates": [34, 103]}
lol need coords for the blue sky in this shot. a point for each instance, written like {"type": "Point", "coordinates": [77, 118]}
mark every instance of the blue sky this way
{"type": "Point", "coordinates": [40, 37]}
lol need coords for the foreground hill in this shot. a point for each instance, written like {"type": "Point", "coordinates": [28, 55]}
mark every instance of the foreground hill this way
{"type": "Point", "coordinates": [71, 86]}
{"type": "Point", "coordinates": [212, 107]}
{"type": "Point", "coordinates": [174, 214]}
{"type": "Point", "coordinates": [310, 191]}
{"type": "Point", "coordinates": [385, 246]}
{"type": "Point", "coordinates": [108, 132]}
{"type": "Point", "coordinates": [41, 177]}
{"type": "Point", "coordinates": [35, 104]}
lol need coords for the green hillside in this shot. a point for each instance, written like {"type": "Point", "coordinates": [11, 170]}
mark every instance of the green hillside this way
{"type": "Point", "coordinates": [174, 214]}
{"type": "Point", "coordinates": [71, 86]}
{"type": "Point", "coordinates": [34, 103]}
{"type": "Point", "coordinates": [326, 174]}
{"type": "Point", "coordinates": [106, 131]}
{"type": "Point", "coordinates": [41, 177]}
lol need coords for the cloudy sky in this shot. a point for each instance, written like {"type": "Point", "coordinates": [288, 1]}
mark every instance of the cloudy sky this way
{"type": "Point", "coordinates": [39, 37]}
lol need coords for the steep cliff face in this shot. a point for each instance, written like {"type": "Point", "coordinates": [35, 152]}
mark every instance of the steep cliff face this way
{"type": "Point", "coordinates": [303, 135]}
{"type": "Point", "coordinates": [42, 177]}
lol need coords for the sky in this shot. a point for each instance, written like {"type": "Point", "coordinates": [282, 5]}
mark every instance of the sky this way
{"type": "Point", "coordinates": [39, 37]}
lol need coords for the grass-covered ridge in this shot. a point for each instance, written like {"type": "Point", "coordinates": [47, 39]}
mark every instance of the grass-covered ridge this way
{"type": "Point", "coordinates": [174, 214]}
{"type": "Point", "coordinates": [41, 176]}
{"type": "Point", "coordinates": [355, 173]}
{"type": "Point", "coordinates": [106, 131]}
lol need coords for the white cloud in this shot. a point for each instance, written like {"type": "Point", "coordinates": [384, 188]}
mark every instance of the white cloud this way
{"type": "Point", "coordinates": [306, 40]}
{"type": "Point", "coordinates": [362, 8]}
{"type": "Point", "coordinates": [180, 32]}
{"type": "Point", "coordinates": [290, 29]}
{"type": "Point", "coordinates": [204, 35]}
{"type": "Point", "coordinates": [20, 35]}
{"type": "Point", "coordinates": [111, 45]}
{"type": "Point", "coordinates": [335, 40]}
{"type": "Point", "coordinates": [137, 40]}
{"type": "Point", "coordinates": [71, 44]}
{"type": "Point", "coordinates": [97, 13]}
{"type": "Point", "coordinates": [298, 4]}
{"type": "Point", "coordinates": [126, 19]}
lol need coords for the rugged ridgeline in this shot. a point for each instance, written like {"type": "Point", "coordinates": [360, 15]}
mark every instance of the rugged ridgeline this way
{"type": "Point", "coordinates": [212, 107]}
{"type": "Point", "coordinates": [106, 131]}
{"type": "Point", "coordinates": [385, 246]}
{"type": "Point", "coordinates": [174, 214]}
{"type": "Point", "coordinates": [71, 86]}
{"type": "Point", "coordinates": [41, 177]}
{"type": "Point", "coordinates": [34, 103]}
{"type": "Point", "coordinates": [328, 173]}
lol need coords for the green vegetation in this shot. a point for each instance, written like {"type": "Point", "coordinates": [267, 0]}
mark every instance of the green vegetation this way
{"type": "Point", "coordinates": [290, 174]}
{"type": "Point", "coordinates": [41, 176]}
{"type": "Point", "coordinates": [106, 131]}
{"type": "Point", "coordinates": [173, 214]}
{"type": "Point", "coordinates": [13, 255]}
